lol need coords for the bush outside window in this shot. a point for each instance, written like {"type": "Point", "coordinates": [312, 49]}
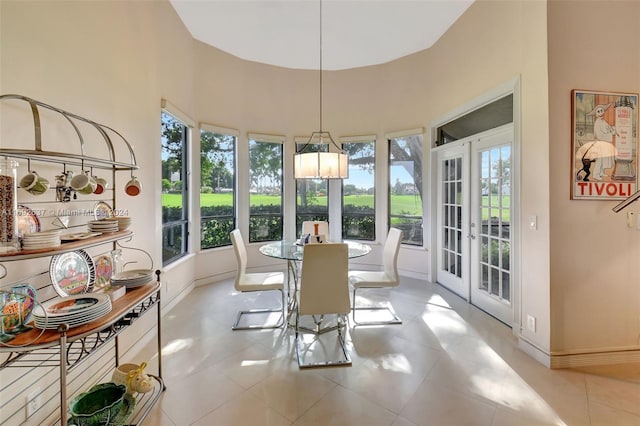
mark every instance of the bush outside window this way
{"type": "Point", "coordinates": [265, 191]}
{"type": "Point", "coordinates": [358, 192]}
{"type": "Point", "coordinates": [175, 198]}
{"type": "Point", "coordinates": [217, 187]}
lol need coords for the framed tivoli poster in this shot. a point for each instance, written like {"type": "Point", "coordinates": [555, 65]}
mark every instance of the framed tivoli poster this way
{"type": "Point", "coordinates": [604, 145]}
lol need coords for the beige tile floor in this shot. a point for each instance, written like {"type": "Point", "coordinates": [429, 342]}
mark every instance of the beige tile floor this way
{"type": "Point", "coordinates": [447, 364]}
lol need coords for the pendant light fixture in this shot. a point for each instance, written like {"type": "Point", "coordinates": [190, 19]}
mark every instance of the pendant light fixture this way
{"type": "Point", "coordinates": [320, 165]}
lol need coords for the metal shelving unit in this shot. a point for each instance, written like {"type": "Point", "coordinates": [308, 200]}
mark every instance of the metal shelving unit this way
{"type": "Point", "coordinates": [68, 348]}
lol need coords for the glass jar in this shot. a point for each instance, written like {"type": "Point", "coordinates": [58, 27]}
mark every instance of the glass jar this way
{"type": "Point", "coordinates": [118, 263]}
{"type": "Point", "coordinates": [8, 205]}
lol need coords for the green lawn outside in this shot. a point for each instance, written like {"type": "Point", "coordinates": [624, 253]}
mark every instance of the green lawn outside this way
{"type": "Point", "coordinates": [400, 204]}
{"type": "Point", "coordinates": [506, 214]}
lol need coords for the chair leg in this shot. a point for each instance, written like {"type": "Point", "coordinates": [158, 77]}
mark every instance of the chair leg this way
{"type": "Point", "coordinates": [300, 349]}
{"type": "Point", "coordinates": [279, 324]}
{"type": "Point", "coordinates": [395, 318]}
{"type": "Point", "coordinates": [317, 329]}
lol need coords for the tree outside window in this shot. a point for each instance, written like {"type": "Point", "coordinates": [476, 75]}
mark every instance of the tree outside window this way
{"type": "Point", "coordinates": [406, 190]}
{"type": "Point", "coordinates": [217, 188]}
{"type": "Point", "coordinates": [265, 191]}
{"type": "Point", "coordinates": [358, 192]}
{"type": "Point", "coordinates": [175, 198]}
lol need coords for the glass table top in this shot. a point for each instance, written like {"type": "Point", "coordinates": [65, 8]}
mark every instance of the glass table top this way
{"type": "Point", "coordinates": [290, 250]}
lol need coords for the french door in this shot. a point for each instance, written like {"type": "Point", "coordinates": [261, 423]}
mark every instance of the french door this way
{"type": "Point", "coordinates": [453, 218]}
{"type": "Point", "coordinates": [474, 237]}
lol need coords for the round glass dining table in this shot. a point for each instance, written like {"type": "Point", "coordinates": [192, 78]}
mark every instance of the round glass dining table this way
{"type": "Point", "coordinates": [291, 250]}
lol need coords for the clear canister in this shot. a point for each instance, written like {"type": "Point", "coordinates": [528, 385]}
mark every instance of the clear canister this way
{"type": "Point", "coordinates": [8, 205]}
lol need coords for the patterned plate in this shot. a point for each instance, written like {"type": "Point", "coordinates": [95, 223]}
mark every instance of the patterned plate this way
{"type": "Point", "coordinates": [72, 273]}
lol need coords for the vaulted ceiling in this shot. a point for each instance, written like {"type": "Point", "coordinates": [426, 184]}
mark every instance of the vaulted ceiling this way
{"type": "Point", "coordinates": [286, 33]}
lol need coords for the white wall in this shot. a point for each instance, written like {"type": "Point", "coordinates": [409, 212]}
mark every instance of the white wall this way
{"type": "Point", "coordinates": [595, 296]}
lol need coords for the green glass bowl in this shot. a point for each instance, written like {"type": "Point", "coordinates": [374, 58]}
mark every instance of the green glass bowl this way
{"type": "Point", "coordinates": [99, 405]}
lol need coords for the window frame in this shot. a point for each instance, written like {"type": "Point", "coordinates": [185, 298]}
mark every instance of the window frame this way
{"type": "Point", "coordinates": [365, 139]}
{"type": "Point", "coordinates": [184, 222]}
{"type": "Point", "coordinates": [225, 239]}
{"type": "Point", "coordinates": [418, 227]}
{"type": "Point", "coordinates": [270, 139]}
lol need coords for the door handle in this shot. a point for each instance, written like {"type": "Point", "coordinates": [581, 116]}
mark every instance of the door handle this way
{"type": "Point", "coordinates": [471, 236]}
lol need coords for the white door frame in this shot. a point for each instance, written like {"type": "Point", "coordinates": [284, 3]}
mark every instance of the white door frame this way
{"type": "Point", "coordinates": [510, 87]}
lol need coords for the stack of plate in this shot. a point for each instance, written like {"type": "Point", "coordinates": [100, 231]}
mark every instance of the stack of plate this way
{"type": "Point", "coordinates": [123, 222]}
{"type": "Point", "coordinates": [132, 279]}
{"type": "Point", "coordinates": [41, 240]}
{"type": "Point", "coordinates": [73, 310]}
{"type": "Point", "coordinates": [103, 225]}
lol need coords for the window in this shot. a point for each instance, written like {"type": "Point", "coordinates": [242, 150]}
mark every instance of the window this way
{"type": "Point", "coordinates": [217, 186]}
{"type": "Point", "coordinates": [405, 192]}
{"type": "Point", "coordinates": [311, 194]}
{"type": "Point", "coordinates": [265, 188]}
{"type": "Point", "coordinates": [175, 199]}
{"type": "Point", "coordinates": [490, 116]}
{"type": "Point", "coordinates": [358, 192]}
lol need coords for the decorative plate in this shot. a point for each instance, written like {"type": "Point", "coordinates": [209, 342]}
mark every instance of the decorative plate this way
{"type": "Point", "coordinates": [103, 210]}
{"type": "Point", "coordinates": [72, 273]}
{"type": "Point", "coordinates": [104, 269]}
{"type": "Point", "coordinates": [72, 305]}
{"type": "Point", "coordinates": [27, 221]}
{"type": "Point", "coordinates": [78, 236]}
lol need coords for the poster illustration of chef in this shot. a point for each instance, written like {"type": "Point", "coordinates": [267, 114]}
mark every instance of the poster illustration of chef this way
{"type": "Point", "coordinates": [604, 145]}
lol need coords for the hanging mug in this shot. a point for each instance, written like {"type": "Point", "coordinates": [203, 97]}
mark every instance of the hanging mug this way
{"type": "Point", "coordinates": [83, 183]}
{"type": "Point", "coordinates": [133, 187]}
{"type": "Point", "coordinates": [34, 184]}
{"type": "Point", "coordinates": [101, 185]}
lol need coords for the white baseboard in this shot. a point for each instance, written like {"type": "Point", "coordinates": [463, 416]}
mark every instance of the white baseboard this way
{"type": "Point", "coordinates": [167, 306]}
{"type": "Point", "coordinates": [216, 278]}
{"type": "Point", "coordinates": [413, 274]}
{"type": "Point", "coordinates": [533, 351]}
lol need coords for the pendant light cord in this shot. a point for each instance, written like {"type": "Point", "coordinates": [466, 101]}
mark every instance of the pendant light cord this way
{"type": "Point", "coordinates": [320, 66]}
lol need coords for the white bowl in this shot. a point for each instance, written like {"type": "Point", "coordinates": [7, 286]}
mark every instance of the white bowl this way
{"type": "Point", "coordinates": [123, 222]}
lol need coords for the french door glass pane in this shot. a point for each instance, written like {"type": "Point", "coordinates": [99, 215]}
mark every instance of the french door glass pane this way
{"type": "Point", "coordinates": [452, 216]}
{"type": "Point", "coordinates": [495, 201]}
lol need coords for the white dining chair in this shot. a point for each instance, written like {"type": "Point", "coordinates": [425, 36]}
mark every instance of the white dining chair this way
{"type": "Point", "coordinates": [388, 277]}
{"type": "Point", "coordinates": [324, 290]}
{"type": "Point", "coordinates": [256, 281]}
